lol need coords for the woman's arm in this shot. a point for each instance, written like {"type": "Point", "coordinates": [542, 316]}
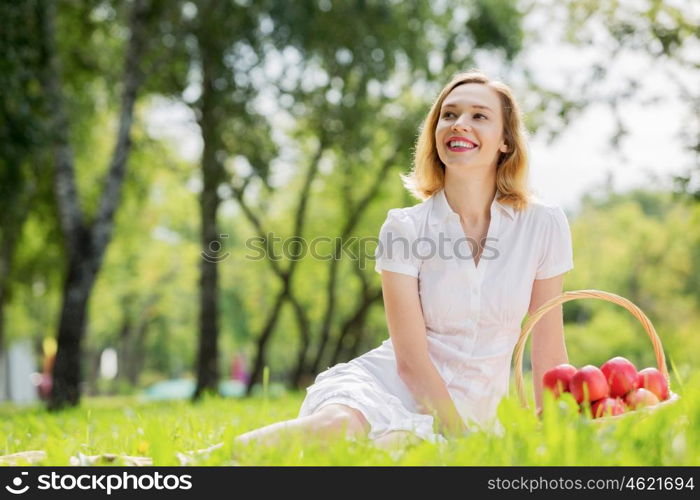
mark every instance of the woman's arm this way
{"type": "Point", "coordinates": [548, 347]}
{"type": "Point", "coordinates": [406, 325]}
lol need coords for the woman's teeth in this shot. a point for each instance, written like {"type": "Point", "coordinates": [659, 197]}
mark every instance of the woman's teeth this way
{"type": "Point", "coordinates": [461, 144]}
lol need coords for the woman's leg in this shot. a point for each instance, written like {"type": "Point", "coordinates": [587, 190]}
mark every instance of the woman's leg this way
{"type": "Point", "coordinates": [332, 420]}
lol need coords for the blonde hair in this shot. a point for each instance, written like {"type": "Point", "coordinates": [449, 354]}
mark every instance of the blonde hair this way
{"type": "Point", "coordinates": [428, 173]}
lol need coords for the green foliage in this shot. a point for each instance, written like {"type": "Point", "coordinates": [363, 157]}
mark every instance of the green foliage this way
{"type": "Point", "coordinates": [497, 24]}
{"type": "Point", "coordinates": [654, 266]}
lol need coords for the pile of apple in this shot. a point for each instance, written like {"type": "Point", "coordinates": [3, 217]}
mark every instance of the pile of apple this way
{"type": "Point", "coordinates": [612, 389]}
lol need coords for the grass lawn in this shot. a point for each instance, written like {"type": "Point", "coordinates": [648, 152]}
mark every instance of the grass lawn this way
{"type": "Point", "coordinates": [163, 430]}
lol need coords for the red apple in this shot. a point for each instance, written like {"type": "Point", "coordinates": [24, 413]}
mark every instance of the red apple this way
{"type": "Point", "coordinates": [607, 407]}
{"type": "Point", "coordinates": [589, 384]}
{"type": "Point", "coordinates": [621, 375]}
{"type": "Point", "coordinates": [641, 397]}
{"type": "Point", "coordinates": [557, 379]}
{"type": "Point", "coordinates": [653, 379]}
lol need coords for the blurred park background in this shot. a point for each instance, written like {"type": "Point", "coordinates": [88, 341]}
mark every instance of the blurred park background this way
{"type": "Point", "coordinates": [151, 149]}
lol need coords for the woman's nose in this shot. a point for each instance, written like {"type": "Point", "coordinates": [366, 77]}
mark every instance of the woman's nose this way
{"type": "Point", "coordinates": [461, 124]}
{"type": "Point", "coordinates": [458, 127]}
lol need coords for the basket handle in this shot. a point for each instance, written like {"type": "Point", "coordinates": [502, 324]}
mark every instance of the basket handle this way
{"type": "Point", "coordinates": [582, 294]}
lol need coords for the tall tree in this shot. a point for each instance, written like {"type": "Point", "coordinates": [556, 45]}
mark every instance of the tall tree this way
{"type": "Point", "coordinates": [224, 33]}
{"type": "Point", "coordinates": [19, 135]}
{"type": "Point", "coordinates": [85, 241]}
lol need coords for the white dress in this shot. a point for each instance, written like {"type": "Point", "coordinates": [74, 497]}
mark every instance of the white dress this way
{"type": "Point", "coordinates": [472, 313]}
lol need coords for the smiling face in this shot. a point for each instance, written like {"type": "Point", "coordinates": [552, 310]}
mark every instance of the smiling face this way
{"type": "Point", "coordinates": [470, 113]}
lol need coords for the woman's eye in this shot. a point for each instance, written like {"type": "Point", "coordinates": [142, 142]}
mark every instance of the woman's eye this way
{"type": "Point", "coordinates": [451, 113]}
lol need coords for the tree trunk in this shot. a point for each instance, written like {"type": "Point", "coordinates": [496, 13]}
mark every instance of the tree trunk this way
{"type": "Point", "coordinates": [258, 364]}
{"type": "Point", "coordinates": [208, 357]}
{"type": "Point", "coordinates": [126, 347]}
{"type": "Point", "coordinates": [85, 244]}
{"type": "Point", "coordinates": [212, 176]}
{"type": "Point", "coordinates": [131, 357]}
{"type": "Point", "coordinates": [137, 353]}
{"type": "Point", "coordinates": [304, 326]}
{"type": "Point", "coordinates": [67, 370]}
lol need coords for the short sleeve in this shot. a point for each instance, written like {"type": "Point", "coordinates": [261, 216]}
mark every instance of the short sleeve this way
{"type": "Point", "coordinates": [395, 248]}
{"type": "Point", "coordinates": [557, 253]}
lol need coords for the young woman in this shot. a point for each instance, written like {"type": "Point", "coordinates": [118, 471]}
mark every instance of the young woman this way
{"type": "Point", "coordinates": [459, 272]}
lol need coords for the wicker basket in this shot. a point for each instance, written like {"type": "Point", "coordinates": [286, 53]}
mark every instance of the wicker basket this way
{"type": "Point", "coordinates": [592, 294]}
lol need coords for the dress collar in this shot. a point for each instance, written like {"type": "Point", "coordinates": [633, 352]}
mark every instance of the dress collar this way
{"type": "Point", "coordinates": [441, 210]}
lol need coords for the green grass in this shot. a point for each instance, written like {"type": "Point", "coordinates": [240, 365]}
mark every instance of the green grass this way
{"type": "Point", "coordinates": [669, 436]}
